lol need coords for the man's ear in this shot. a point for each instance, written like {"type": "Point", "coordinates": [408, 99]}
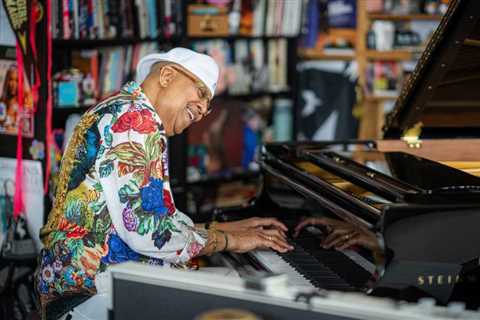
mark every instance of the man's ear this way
{"type": "Point", "coordinates": [166, 75]}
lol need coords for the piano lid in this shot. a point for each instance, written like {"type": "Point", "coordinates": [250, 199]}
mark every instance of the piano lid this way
{"type": "Point", "coordinates": [442, 96]}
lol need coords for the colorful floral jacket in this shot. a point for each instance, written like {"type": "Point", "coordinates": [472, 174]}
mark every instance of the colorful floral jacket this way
{"type": "Point", "coordinates": [113, 199]}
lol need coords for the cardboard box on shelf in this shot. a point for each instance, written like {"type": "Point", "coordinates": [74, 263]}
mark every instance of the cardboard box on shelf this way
{"type": "Point", "coordinates": [204, 20]}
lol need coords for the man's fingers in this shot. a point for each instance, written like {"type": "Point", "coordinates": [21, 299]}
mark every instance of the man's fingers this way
{"type": "Point", "coordinates": [275, 232]}
{"type": "Point", "coordinates": [301, 225]}
{"type": "Point", "coordinates": [326, 243]}
{"type": "Point", "coordinates": [272, 222]}
{"type": "Point", "coordinates": [339, 239]}
{"type": "Point", "coordinates": [276, 242]}
{"type": "Point", "coordinates": [304, 223]}
{"type": "Point", "coordinates": [326, 222]}
{"type": "Point", "coordinates": [353, 240]}
{"type": "Point", "coordinates": [281, 242]}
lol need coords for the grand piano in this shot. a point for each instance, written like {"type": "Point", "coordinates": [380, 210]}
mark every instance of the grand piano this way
{"type": "Point", "coordinates": [424, 211]}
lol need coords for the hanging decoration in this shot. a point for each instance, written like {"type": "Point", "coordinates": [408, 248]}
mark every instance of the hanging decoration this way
{"type": "Point", "coordinates": [37, 150]}
{"type": "Point", "coordinates": [27, 19]}
{"type": "Point", "coordinates": [17, 12]}
{"type": "Point", "coordinates": [49, 103]}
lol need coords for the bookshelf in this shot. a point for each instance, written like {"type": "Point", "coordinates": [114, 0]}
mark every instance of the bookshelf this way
{"type": "Point", "coordinates": [95, 43]}
{"type": "Point", "coordinates": [315, 54]}
{"type": "Point", "coordinates": [64, 50]}
{"type": "Point", "coordinates": [373, 114]}
{"type": "Point", "coordinates": [399, 55]}
{"type": "Point", "coordinates": [403, 17]}
{"type": "Point", "coordinates": [372, 103]}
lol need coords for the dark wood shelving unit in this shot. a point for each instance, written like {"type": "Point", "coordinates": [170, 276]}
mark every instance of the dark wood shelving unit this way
{"type": "Point", "coordinates": [404, 17]}
{"type": "Point", "coordinates": [95, 43]}
{"type": "Point", "coordinates": [239, 37]}
{"type": "Point", "coordinates": [178, 145]}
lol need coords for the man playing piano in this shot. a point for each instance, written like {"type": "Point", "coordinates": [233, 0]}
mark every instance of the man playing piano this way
{"type": "Point", "coordinates": [341, 235]}
{"type": "Point", "coordinates": [113, 200]}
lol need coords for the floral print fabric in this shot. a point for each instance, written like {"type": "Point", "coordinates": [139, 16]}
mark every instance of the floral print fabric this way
{"type": "Point", "coordinates": [118, 204]}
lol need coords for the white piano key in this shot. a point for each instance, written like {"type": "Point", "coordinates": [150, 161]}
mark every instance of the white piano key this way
{"type": "Point", "coordinates": [274, 263]}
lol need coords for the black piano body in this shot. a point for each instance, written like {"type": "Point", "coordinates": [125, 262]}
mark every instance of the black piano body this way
{"type": "Point", "coordinates": [425, 213]}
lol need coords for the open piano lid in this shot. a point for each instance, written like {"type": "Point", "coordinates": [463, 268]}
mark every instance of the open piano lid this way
{"type": "Point", "coordinates": [442, 96]}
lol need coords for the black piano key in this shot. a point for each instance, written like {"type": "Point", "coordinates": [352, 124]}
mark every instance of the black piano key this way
{"type": "Point", "coordinates": [333, 259]}
{"type": "Point", "coordinates": [326, 268]}
{"type": "Point", "coordinates": [343, 266]}
{"type": "Point", "coordinates": [314, 271]}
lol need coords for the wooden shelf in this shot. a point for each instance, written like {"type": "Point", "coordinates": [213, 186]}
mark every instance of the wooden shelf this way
{"type": "Point", "coordinates": [404, 17]}
{"type": "Point", "coordinates": [378, 98]}
{"type": "Point", "coordinates": [93, 43]}
{"type": "Point", "coordinates": [313, 54]}
{"type": "Point", "coordinates": [240, 37]}
{"type": "Point", "coordinates": [389, 55]}
{"type": "Point", "coordinates": [253, 95]}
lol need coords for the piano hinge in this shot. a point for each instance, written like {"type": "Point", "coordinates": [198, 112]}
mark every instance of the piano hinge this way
{"type": "Point", "coordinates": [411, 136]}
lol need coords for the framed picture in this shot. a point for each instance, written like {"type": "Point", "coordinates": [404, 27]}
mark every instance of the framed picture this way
{"type": "Point", "coordinates": [9, 116]}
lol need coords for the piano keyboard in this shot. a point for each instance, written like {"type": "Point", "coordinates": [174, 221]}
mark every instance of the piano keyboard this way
{"type": "Point", "coordinates": [310, 265]}
{"type": "Point", "coordinates": [272, 262]}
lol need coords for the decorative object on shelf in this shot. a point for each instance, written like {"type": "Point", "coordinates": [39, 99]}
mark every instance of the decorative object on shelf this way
{"type": "Point", "coordinates": [384, 35]}
{"type": "Point", "coordinates": [10, 114]}
{"type": "Point", "coordinates": [282, 120]}
{"type": "Point", "coordinates": [342, 13]}
{"type": "Point", "coordinates": [67, 88]}
{"type": "Point", "coordinates": [37, 150]}
{"type": "Point", "coordinates": [443, 6]}
{"type": "Point", "coordinates": [384, 78]}
{"type": "Point", "coordinates": [431, 6]}
{"type": "Point", "coordinates": [406, 38]}
{"type": "Point", "coordinates": [205, 20]}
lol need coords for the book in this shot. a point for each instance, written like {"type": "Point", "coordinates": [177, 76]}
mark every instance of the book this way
{"type": "Point", "coordinates": [259, 17]}
{"type": "Point", "coordinates": [311, 24]}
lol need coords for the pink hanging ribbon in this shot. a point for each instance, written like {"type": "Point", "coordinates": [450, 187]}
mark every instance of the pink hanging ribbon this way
{"type": "Point", "coordinates": [49, 135]}
{"type": "Point", "coordinates": [18, 205]}
{"type": "Point", "coordinates": [33, 45]}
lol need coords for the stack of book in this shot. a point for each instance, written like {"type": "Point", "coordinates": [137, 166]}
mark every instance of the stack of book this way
{"type": "Point", "coordinates": [98, 73]}
{"type": "Point", "coordinates": [107, 19]}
